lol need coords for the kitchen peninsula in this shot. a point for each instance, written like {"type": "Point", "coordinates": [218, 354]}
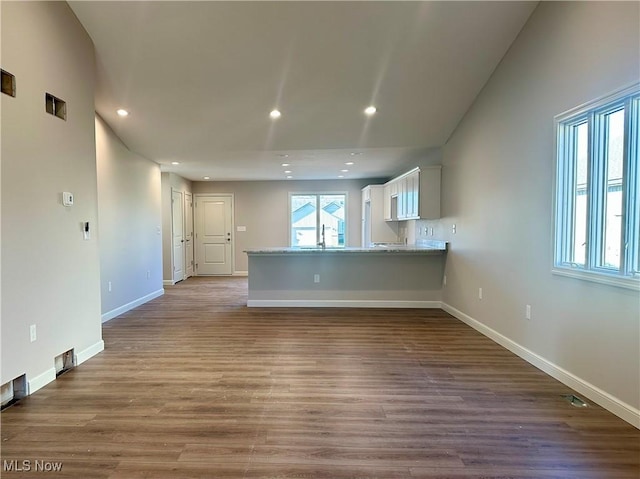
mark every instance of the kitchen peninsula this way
{"type": "Point", "coordinates": [391, 276]}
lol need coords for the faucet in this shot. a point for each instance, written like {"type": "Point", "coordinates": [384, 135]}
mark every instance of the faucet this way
{"type": "Point", "coordinates": [323, 243]}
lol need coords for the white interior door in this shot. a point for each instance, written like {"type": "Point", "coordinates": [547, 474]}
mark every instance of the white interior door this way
{"type": "Point", "coordinates": [177, 231]}
{"type": "Point", "coordinates": [214, 242]}
{"type": "Point", "coordinates": [188, 235]}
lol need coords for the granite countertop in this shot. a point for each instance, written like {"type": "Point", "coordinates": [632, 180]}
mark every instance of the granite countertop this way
{"type": "Point", "coordinates": [433, 247]}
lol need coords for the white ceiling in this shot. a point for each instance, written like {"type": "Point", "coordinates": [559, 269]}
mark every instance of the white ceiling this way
{"type": "Point", "coordinates": [200, 79]}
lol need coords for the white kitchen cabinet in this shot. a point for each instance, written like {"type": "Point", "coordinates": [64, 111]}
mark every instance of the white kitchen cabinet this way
{"type": "Point", "coordinates": [412, 182]}
{"type": "Point", "coordinates": [414, 195]}
{"type": "Point", "coordinates": [390, 198]}
{"type": "Point", "coordinates": [402, 197]}
{"type": "Point", "coordinates": [386, 202]}
{"type": "Point", "coordinates": [374, 227]}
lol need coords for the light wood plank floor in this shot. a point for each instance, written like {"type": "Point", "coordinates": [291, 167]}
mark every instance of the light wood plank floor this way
{"type": "Point", "coordinates": [196, 385]}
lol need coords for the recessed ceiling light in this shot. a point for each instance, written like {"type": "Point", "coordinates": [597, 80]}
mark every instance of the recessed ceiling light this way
{"type": "Point", "coordinates": [354, 153]}
{"type": "Point", "coordinates": [175, 162]}
{"type": "Point", "coordinates": [122, 112]}
{"type": "Point", "coordinates": [275, 114]}
{"type": "Point", "coordinates": [370, 110]}
{"type": "Point", "coordinates": [206, 177]}
{"type": "Point", "coordinates": [289, 177]}
{"type": "Point", "coordinates": [349, 163]}
{"type": "Point", "coordinates": [340, 176]}
{"type": "Point", "coordinates": [287, 171]}
{"type": "Point", "coordinates": [345, 171]}
{"type": "Point", "coordinates": [285, 164]}
{"type": "Point", "coordinates": [283, 155]}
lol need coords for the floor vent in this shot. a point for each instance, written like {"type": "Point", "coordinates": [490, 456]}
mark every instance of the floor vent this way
{"type": "Point", "coordinates": [65, 362]}
{"type": "Point", "coordinates": [13, 391]}
{"type": "Point", "coordinates": [575, 400]}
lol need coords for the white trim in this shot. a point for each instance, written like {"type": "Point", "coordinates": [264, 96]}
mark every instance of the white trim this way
{"type": "Point", "coordinates": [346, 303]}
{"type": "Point", "coordinates": [599, 102]}
{"type": "Point", "coordinates": [240, 273]}
{"type": "Point", "coordinates": [614, 405]}
{"type": "Point", "coordinates": [6, 392]}
{"type": "Point", "coordinates": [129, 306]}
{"type": "Point", "coordinates": [89, 352]}
{"type": "Point", "coordinates": [597, 277]}
{"type": "Point", "coordinates": [173, 262]}
{"type": "Point", "coordinates": [41, 380]}
{"type": "Point", "coordinates": [168, 282]}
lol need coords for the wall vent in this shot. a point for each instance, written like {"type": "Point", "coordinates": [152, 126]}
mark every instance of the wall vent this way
{"type": "Point", "coordinates": [575, 400]}
{"type": "Point", "coordinates": [8, 83]}
{"type": "Point", "coordinates": [55, 106]}
{"type": "Point", "coordinates": [65, 362]}
{"type": "Point", "coordinates": [13, 391]}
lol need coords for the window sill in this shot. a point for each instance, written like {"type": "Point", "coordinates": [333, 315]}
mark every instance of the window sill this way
{"type": "Point", "coordinates": [594, 277]}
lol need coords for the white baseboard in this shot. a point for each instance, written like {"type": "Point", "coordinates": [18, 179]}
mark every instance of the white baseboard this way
{"type": "Point", "coordinates": [6, 392]}
{"type": "Point", "coordinates": [41, 380]}
{"type": "Point", "coordinates": [129, 306]}
{"type": "Point", "coordinates": [347, 303]}
{"type": "Point", "coordinates": [168, 282]}
{"type": "Point", "coordinates": [89, 352]}
{"type": "Point", "coordinates": [240, 273]}
{"type": "Point", "coordinates": [597, 395]}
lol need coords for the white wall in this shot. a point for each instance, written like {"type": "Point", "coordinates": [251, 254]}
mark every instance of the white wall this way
{"type": "Point", "coordinates": [498, 188]}
{"type": "Point", "coordinates": [130, 224]}
{"type": "Point", "coordinates": [263, 207]}
{"type": "Point", "coordinates": [50, 275]}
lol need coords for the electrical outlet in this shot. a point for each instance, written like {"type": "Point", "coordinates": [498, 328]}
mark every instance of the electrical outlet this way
{"type": "Point", "coordinates": [479, 293]}
{"type": "Point", "coordinates": [453, 228]}
{"type": "Point", "coordinates": [32, 332]}
{"type": "Point", "coordinates": [148, 274]}
{"type": "Point", "coordinates": [109, 286]}
{"type": "Point", "coordinates": [527, 312]}
{"type": "Point", "coordinates": [430, 231]}
{"type": "Point", "coordinates": [444, 280]}
{"type": "Point", "coordinates": [316, 278]}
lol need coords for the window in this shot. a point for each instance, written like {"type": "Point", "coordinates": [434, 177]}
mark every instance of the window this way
{"type": "Point", "coordinates": [311, 213]}
{"type": "Point", "coordinates": [597, 202]}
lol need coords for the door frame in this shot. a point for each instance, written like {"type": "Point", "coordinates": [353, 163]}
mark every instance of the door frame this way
{"type": "Point", "coordinates": [173, 259]}
{"type": "Point", "coordinates": [196, 227]}
{"type": "Point", "coordinates": [193, 228]}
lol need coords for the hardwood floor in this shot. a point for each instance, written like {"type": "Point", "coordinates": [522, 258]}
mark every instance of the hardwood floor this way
{"type": "Point", "coordinates": [196, 385]}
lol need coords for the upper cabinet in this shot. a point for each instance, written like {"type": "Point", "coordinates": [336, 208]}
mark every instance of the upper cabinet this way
{"type": "Point", "coordinates": [414, 195]}
{"type": "Point", "coordinates": [390, 208]}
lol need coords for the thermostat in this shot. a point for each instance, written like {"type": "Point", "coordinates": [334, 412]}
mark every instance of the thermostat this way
{"type": "Point", "coordinates": [67, 198]}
